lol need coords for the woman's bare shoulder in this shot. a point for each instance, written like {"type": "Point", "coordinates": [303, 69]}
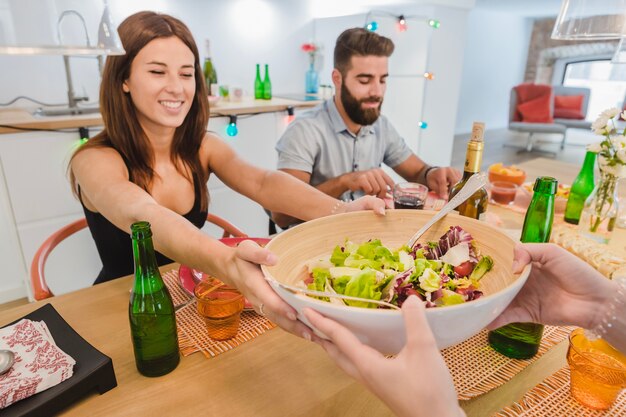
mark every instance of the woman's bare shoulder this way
{"type": "Point", "coordinates": [97, 159]}
{"type": "Point", "coordinates": [213, 146]}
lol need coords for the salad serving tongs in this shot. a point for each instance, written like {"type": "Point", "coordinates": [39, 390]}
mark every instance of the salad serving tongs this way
{"type": "Point", "coordinates": [472, 185]}
{"type": "Point", "coordinates": [299, 290]}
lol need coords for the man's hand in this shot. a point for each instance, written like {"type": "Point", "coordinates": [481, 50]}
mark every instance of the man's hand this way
{"type": "Point", "coordinates": [441, 179]}
{"type": "Point", "coordinates": [373, 182]}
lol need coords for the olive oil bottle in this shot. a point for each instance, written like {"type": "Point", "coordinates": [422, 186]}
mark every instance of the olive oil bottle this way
{"type": "Point", "coordinates": [476, 205]}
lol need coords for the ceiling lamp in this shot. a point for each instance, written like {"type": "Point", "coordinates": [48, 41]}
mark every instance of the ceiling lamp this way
{"type": "Point", "coordinates": [590, 20]}
{"type": "Point", "coordinates": [108, 40]}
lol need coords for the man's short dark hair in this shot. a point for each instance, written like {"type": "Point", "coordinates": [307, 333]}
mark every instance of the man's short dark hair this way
{"type": "Point", "coordinates": [359, 42]}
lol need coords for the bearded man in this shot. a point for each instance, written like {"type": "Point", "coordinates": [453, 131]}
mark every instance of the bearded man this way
{"type": "Point", "coordinates": [339, 146]}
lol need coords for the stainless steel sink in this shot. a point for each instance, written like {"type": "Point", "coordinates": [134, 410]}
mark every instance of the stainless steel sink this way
{"type": "Point", "coordinates": [64, 111]}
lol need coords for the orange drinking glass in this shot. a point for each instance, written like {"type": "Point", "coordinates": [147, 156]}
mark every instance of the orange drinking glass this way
{"type": "Point", "coordinates": [597, 371]}
{"type": "Point", "coordinates": [221, 308]}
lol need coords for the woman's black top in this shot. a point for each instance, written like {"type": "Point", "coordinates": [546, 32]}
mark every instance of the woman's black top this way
{"type": "Point", "coordinates": [115, 246]}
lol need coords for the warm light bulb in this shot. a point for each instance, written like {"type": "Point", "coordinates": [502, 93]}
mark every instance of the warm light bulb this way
{"type": "Point", "coordinates": [402, 24]}
{"type": "Point", "coordinates": [290, 116]}
{"type": "Point", "coordinates": [422, 125]}
{"type": "Point", "coordinates": [231, 129]}
{"type": "Point", "coordinates": [372, 26]}
{"type": "Point", "coordinates": [434, 23]}
{"type": "Point", "coordinates": [429, 75]}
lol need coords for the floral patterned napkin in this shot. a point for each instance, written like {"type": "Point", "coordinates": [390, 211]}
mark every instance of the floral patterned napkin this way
{"type": "Point", "coordinates": [39, 363]}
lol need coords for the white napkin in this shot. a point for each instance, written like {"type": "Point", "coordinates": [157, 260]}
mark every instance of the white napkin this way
{"type": "Point", "coordinates": [39, 363]}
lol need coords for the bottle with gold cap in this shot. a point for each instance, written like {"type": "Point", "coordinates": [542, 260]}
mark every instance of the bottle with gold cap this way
{"type": "Point", "coordinates": [476, 205]}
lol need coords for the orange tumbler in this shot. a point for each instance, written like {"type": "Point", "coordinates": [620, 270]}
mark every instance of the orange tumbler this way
{"type": "Point", "coordinates": [597, 371]}
{"type": "Point", "coordinates": [221, 308]}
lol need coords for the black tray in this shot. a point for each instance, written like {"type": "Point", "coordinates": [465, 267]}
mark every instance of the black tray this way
{"type": "Point", "coordinates": [93, 370]}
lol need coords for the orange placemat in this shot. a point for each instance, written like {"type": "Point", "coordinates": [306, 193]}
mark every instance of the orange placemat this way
{"type": "Point", "coordinates": [551, 398]}
{"type": "Point", "coordinates": [192, 334]}
{"type": "Point", "coordinates": [476, 368]}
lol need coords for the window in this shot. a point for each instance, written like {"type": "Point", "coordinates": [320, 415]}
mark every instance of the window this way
{"type": "Point", "coordinates": [607, 83]}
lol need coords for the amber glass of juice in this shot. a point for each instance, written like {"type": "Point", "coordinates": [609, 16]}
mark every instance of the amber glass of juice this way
{"type": "Point", "coordinates": [221, 308]}
{"type": "Point", "coordinates": [597, 371]}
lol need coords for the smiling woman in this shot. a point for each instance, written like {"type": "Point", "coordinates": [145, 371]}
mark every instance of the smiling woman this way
{"type": "Point", "coordinates": [154, 157]}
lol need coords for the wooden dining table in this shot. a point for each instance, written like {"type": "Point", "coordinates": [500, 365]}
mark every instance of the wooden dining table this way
{"type": "Point", "coordinates": [274, 374]}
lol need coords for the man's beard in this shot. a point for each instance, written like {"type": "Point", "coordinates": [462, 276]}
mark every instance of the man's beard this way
{"type": "Point", "coordinates": [356, 113]}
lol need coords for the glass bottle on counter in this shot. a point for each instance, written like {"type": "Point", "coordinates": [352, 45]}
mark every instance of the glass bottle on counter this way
{"type": "Point", "coordinates": [521, 340]}
{"type": "Point", "coordinates": [151, 311]}
{"type": "Point", "coordinates": [210, 75]}
{"type": "Point", "coordinates": [267, 84]}
{"type": "Point", "coordinates": [258, 84]}
{"type": "Point", "coordinates": [581, 188]}
{"type": "Point", "coordinates": [476, 205]}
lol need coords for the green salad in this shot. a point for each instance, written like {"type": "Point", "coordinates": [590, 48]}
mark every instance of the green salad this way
{"type": "Point", "coordinates": [441, 273]}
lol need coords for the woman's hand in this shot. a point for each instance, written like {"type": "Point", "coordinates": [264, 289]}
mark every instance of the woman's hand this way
{"type": "Point", "coordinates": [414, 383]}
{"type": "Point", "coordinates": [561, 289]}
{"type": "Point", "coordinates": [248, 279]}
{"type": "Point", "coordinates": [367, 202]}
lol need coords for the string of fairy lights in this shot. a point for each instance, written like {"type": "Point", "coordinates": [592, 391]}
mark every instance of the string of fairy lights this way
{"type": "Point", "coordinates": [371, 24]}
{"type": "Point", "coordinates": [402, 25]}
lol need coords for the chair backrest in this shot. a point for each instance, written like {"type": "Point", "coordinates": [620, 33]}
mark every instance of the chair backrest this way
{"type": "Point", "coordinates": [37, 267]}
{"type": "Point", "coordinates": [513, 105]}
{"type": "Point", "coordinates": [562, 90]}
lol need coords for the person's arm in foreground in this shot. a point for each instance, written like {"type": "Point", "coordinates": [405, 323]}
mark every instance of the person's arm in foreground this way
{"type": "Point", "coordinates": [414, 383]}
{"type": "Point", "coordinates": [562, 289]}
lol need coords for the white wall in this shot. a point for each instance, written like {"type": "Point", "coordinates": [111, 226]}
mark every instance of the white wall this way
{"type": "Point", "coordinates": [243, 33]}
{"type": "Point", "coordinates": [496, 47]}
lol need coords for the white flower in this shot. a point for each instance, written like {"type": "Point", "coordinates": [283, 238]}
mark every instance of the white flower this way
{"type": "Point", "coordinates": [617, 170]}
{"type": "Point", "coordinates": [610, 113]}
{"type": "Point", "coordinates": [594, 147]}
{"type": "Point", "coordinates": [599, 125]}
{"type": "Point", "coordinates": [621, 154]}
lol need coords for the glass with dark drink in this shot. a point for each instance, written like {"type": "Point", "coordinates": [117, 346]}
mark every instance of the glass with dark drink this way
{"type": "Point", "coordinates": [409, 195]}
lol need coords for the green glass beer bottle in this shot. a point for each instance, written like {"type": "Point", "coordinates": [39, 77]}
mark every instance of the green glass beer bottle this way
{"type": "Point", "coordinates": [267, 84]}
{"type": "Point", "coordinates": [258, 84]}
{"type": "Point", "coordinates": [151, 311]}
{"type": "Point", "coordinates": [581, 188]}
{"type": "Point", "coordinates": [521, 340]}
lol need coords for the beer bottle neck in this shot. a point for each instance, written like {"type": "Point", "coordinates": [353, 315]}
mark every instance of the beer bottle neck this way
{"type": "Point", "coordinates": [588, 164]}
{"type": "Point", "coordinates": [145, 259]}
{"type": "Point", "coordinates": [538, 221]}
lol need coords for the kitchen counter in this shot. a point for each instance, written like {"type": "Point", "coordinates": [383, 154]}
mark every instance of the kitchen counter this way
{"type": "Point", "coordinates": [23, 119]}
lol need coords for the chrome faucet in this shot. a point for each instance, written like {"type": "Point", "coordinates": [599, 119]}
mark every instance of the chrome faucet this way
{"type": "Point", "coordinates": [72, 98]}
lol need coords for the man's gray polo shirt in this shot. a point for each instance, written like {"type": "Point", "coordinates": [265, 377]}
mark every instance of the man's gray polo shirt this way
{"type": "Point", "coordinates": [318, 142]}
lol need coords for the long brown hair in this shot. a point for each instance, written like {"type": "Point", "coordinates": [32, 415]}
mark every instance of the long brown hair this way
{"type": "Point", "coordinates": [122, 130]}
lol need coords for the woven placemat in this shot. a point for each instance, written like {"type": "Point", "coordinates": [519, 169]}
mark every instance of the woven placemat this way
{"type": "Point", "coordinates": [476, 368]}
{"type": "Point", "coordinates": [551, 398]}
{"type": "Point", "coordinates": [192, 333]}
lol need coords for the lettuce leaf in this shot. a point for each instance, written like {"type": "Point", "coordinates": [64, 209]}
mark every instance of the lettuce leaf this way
{"type": "Point", "coordinates": [363, 286]}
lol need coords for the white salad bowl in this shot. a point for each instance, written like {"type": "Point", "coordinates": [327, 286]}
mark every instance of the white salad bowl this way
{"type": "Point", "coordinates": [384, 329]}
